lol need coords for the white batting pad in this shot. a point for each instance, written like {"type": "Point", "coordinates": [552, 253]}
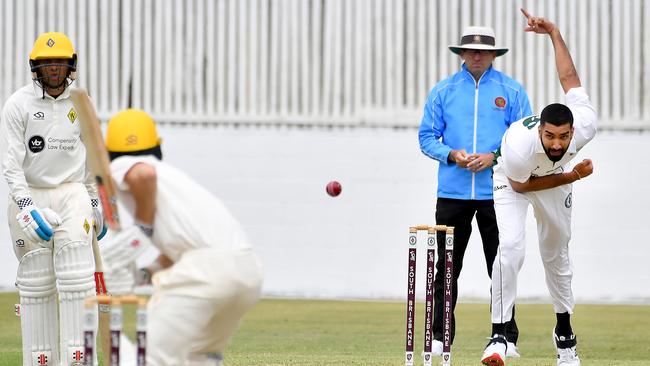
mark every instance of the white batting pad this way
{"type": "Point", "coordinates": [122, 248]}
{"type": "Point", "coordinates": [75, 267]}
{"type": "Point", "coordinates": [38, 319]}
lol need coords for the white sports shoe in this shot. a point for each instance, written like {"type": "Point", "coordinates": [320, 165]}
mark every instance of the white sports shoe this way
{"type": "Point", "coordinates": [436, 348]}
{"type": "Point", "coordinates": [495, 351]}
{"type": "Point", "coordinates": [566, 350]}
{"type": "Point", "coordinates": [512, 351]}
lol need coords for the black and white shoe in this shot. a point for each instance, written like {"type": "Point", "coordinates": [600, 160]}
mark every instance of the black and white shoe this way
{"type": "Point", "coordinates": [495, 351]}
{"type": "Point", "coordinates": [566, 350]}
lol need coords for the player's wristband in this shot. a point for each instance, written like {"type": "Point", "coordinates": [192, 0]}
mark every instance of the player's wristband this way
{"type": "Point", "coordinates": [147, 229]}
{"type": "Point", "coordinates": [578, 174]}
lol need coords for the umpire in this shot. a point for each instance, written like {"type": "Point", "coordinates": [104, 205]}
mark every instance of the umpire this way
{"type": "Point", "coordinates": [465, 117]}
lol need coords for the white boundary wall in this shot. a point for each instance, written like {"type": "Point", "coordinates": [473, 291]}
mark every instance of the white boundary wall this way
{"type": "Point", "coordinates": [361, 62]}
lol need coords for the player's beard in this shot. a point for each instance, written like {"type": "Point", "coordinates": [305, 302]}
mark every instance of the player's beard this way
{"type": "Point", "coordinates": [555, 157]}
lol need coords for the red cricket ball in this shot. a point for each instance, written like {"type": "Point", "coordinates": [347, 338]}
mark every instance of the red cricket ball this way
{"type": "Point", "coordinates": [333, 188]}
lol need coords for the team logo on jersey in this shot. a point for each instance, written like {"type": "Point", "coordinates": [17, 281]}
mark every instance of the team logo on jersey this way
{"type": "Point", "coordinates": [72, 115]}
{"type": "Point", "coordinates": [36, 144]}
{"type": "Point", "coordinates": [568, 201]}
{"type": "Point", "coordinates": [500, 102]}
{"type": "Point", "coordinates": [39, 116]}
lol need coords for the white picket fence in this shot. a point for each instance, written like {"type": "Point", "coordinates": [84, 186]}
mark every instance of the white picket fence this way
{"type": "Point", "coordinates": [333, 62]}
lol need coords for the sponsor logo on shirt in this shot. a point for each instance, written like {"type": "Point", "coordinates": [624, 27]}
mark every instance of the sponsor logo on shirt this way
{"type": "Point", "coordinates": [72, 115]}
{"type": "Point", "coordinates": [496, 188]}
{"type": "Point", "coordinates": [36, 144]}
{"type": "Point", "coordinates": [568, 201]}
{"type": "Point", "coordinates": [62, 144]}
{"type": "Point", "coordinates": [39, 116]}
{"type": "Point", "coordinates": [20, 243]}
{"type": "Point", "coordinates": [500, 102]}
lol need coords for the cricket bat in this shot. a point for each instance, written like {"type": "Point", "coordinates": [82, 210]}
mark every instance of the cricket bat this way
{"type": "Point", "coordinates": [96, 155]}
{"type": "Point", "coordinates": [98, 162]}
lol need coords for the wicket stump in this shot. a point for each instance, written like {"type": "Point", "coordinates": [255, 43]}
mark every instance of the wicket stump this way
{"type": "Point", "coordinates": [116, 324]}
{"type": "Point", "coordinates": [411, 289]}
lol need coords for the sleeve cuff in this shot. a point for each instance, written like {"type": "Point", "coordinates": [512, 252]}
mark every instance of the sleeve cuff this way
{"type": "Point", "coordinates": [444, 159]}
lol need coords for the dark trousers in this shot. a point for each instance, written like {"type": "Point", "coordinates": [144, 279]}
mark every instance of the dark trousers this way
{"type": "Point", "coordinates": [459, 214]}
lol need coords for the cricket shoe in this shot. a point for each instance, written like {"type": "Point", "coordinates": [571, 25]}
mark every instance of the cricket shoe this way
{"type": "Point", "coordinates": [495, 351]}
{"type": "Point", "coordinates": [566, 350]}
{"type": "Point", "coordinates": [512, 351]}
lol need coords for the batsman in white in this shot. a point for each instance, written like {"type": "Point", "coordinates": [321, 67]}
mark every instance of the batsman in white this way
{"type": "Point", "coordinates": [533, 169]}
{"type": "Point", "coordinates": [52, 205]}
{"type": "Point", "coordinates": [206, 276]}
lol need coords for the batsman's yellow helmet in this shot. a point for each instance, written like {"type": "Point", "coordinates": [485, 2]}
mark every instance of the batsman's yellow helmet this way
{"type": "Point", "coordinates": [131, 130]}
{"type": "Point", "coordinates": [52, 45]}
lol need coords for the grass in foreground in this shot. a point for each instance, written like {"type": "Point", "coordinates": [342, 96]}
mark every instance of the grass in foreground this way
{"type": "Point", "coordinates": [301, 332]}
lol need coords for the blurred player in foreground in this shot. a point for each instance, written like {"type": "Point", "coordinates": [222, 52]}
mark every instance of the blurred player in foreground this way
{"type": "Point", "coordinates": [533, 170]}
{"type": "Point", "coordinates": [206, 276]}
{"type": "Point", "coordinates": [53, 204]}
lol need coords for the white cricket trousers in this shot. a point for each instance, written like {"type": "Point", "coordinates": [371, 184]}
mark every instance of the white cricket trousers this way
{"type": "Point", "coordinates": [60, 272]}
{"type": "Point", "coordinates": [552, 209]}
{"type": "Point", "coordinates": [198, 304]}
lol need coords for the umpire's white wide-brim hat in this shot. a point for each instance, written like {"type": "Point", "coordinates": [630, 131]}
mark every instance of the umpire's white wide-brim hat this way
{"type": "Point", "coordinates": [477, 38]}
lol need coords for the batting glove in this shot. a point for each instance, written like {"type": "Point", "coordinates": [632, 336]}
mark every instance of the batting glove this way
{"type": "Point", "coordinates": [98, 219]}
{"type": "Point", "coordinates": [37, 224]}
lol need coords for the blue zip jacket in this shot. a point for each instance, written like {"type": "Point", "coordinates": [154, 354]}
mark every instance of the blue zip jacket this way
{"type": "Point", "coordinates": [461, 114]}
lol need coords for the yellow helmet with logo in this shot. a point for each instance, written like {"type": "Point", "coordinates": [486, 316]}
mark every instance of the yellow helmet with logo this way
{"type": "Point", "coordinates": [131, 130]}
{"type": "Point", "coordinates": [53, 45]}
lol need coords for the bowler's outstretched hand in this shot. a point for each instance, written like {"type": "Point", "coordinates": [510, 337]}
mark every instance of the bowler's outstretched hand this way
{"type": "Point", "coordinates": [538, 24]}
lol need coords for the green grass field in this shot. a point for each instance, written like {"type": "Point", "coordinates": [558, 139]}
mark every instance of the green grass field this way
{"type": "Point", "coordinates": [301, 332]}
